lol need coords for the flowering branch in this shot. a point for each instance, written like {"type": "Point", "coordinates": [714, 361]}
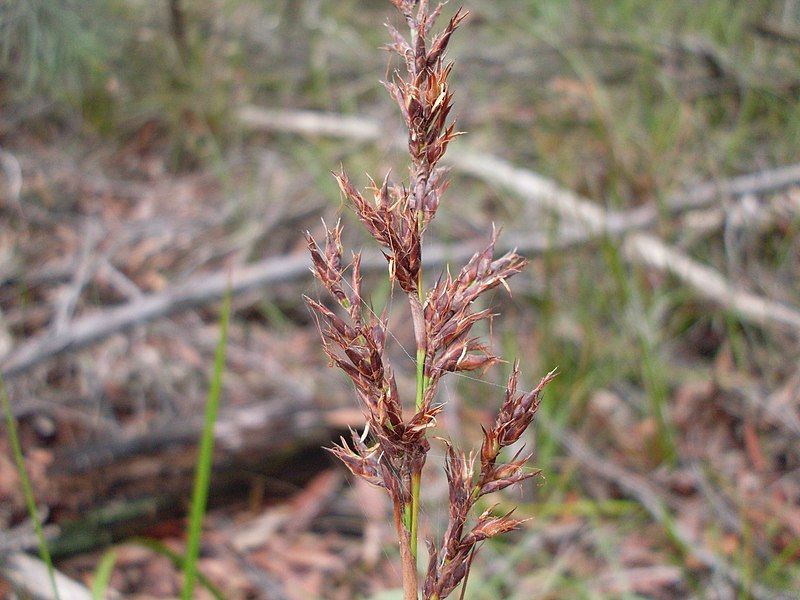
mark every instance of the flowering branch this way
{"type": "Point", "coordinates": [442, 317]}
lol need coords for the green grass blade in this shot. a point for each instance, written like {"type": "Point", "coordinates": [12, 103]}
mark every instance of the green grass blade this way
{"type": "Point", "coordinates": [27, 490]}
{"type": "Point", "coordinates": [102, 575]}
{"type": "Point", "coordinates": [204, 459]}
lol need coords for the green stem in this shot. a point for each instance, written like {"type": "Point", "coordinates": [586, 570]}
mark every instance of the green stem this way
{"type": "Point", "coordinates": [420, 377]}
{"type": "Point", "coordinates": [416, 477]}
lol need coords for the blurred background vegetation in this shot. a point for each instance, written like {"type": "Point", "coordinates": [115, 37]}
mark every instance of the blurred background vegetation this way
{"type": "Point", "coordinates": [670, 435]}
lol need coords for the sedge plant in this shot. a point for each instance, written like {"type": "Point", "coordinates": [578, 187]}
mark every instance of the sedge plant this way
{"type": "Point", "coordinates": [392, 451]}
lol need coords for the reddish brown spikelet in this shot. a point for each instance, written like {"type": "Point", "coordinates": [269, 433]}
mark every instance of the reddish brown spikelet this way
{"type": "Point", "coordinates": [328, 262]}
{"type": "Point", "coordinates": [397, 216]}
{"type": "Point", "coordinates": [440, 41]}
{"type": "Point", "coordinates": [489, 526]}
{"type": "Point", "coordinates": [459, 470]}
{"type": "Point", "coordinates": [393, 225]}
{"type": "Point", "coordinates": [518, 410]}
{"type": "Point", "coordinates": [449, 316]}
{"type": "Point", "coordinates": [362, 461]}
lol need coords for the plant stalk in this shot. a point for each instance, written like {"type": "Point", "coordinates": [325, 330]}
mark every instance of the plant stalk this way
{"type": "Point", "coordinates": [205, 457]}
{"type": "Point", "coordinates": [418, 317]}
{"type": "Point", "coordinates": [407, 560]}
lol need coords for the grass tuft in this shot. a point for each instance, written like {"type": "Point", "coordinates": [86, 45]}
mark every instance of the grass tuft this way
{"type": "Point", "coordinates": [27, 490]}
{"type": "Point", "coordinates": [204, 458]}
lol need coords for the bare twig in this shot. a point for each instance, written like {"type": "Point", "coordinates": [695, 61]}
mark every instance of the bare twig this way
{"type": "Point", "coordinates": [312, 123]}
{"type": "Point", "coordinates": [193, 292]}
{"type": "Point", "coordinates": [118, 280]}
{"type": "Point", "coordinates": [644, 248]}
{"type": "Point", "coordinates": [710, 284]}
{"type": "Point", "coordinates": [29, 574]}
{"type": "Point", "coordinates": [65, 306]}
{"type": "Point", "coordinates": [586, 221]}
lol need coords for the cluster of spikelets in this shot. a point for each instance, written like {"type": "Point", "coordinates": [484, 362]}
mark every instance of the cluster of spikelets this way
{"type": "Point", "coordinates": [392, 456]}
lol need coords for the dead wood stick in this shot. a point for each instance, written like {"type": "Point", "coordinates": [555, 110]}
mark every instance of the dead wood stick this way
{"type": "Point", "coordinates": [202, 289]}
{"type": "Point", "coordinates": [322, 124]}
{"type": "Point", "coordinates": [118, 280]}
{"type": "Point", "coordinates": [195, 291]}
{"type": "Point", "coordinates": [710, 284]}
{"type": "Point", "coordinates": [87, 263]}
{"type": "Point", "coordinates": [586, 221]}
{"type": "Point", "coordinates": [587, 218]}
{"type": "Point", "coordinates": [639, 247]}
{"type": "Point", "coordinates": [114, 486]}
{"type": "Point", "coordinates": [311, 123]}
{"type": "Point", "coordinates": [29, 575]}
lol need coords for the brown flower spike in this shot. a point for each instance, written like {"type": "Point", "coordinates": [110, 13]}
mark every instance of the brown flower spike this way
{"type": "Point", "coordinates": [392, 452]}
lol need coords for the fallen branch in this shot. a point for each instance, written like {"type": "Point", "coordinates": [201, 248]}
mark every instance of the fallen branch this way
{"type": "Point", "coordinates": [193, 292]}
{"type": "Point", "coordinates": [644, 248]}
{"type": "Point", "coordinates": [311, 123]}
{"type": "Point", "coordinates": [584, 221]}
{"type": "Point", "coordinates": [112, 486]}
{"type": "Point", "coordinates": [320, 124]}
{"type": "Point", "coordinates": [710, 284]}
{"type": "Point", "coordinates": [206, 288]}
{"type": "Point", "coordinates": [29, 575]}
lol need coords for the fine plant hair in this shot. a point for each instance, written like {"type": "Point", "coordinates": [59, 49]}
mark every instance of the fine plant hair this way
{"type": "Point", "coordinates": [392, 452]}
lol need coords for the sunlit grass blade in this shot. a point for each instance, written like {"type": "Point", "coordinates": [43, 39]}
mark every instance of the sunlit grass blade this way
{"type": "Point", "coordinates": [204, 459]}
{"type": "Point", "coordinates": [102, 575]}
{"type": "Point", "coordinates": [27, 490]}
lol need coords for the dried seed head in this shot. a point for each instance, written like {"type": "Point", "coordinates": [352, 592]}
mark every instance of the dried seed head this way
{"type": "Point", "coordinates": [397, 217]}
{"type": "Point", "coordinates": [517, 410]}
{"type": "Point", "coordinates": [362, 461]}
{"type": "Point", "coordinates": [464, 355]}
{"type": "Point", "coordinates": [513, 419]}
{"type": "Point", "coordinates": [328, 261]}
{"type": "Point", "coordinates": [393, 224]}
{"type": "Point", "coordinates": [489, 526]}
{"type": "Point", "coordinates": [459, 470]}
{"type": "Point", "coordinates": [424, 99]}
{"type": "Point", "coordinates": [449, 316]}
{"type": "Point", "coordinates": [440, 41]}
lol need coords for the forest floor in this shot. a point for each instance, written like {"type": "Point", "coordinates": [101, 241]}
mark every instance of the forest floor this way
{"type": "Point", "coordinates": [642, 155]}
